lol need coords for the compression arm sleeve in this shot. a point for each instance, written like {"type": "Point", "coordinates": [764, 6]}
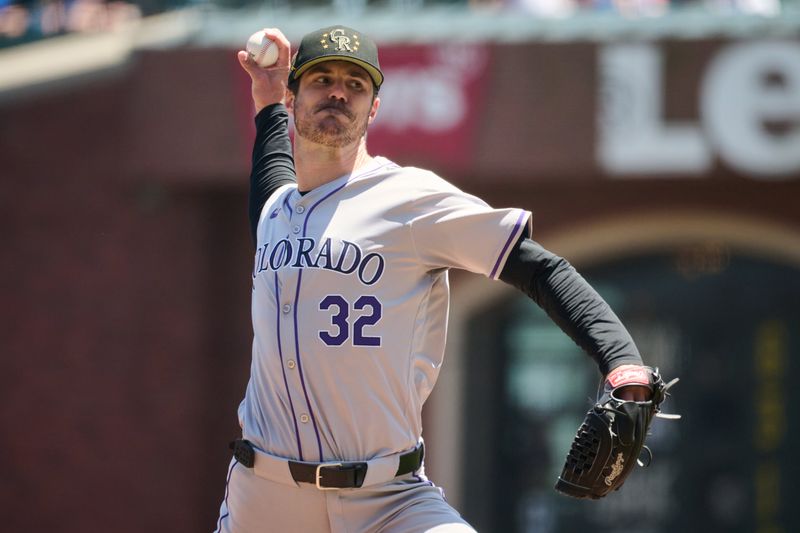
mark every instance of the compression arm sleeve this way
{"type": "Point", "coordinates": [273, 164]}
{"type": "Point", "coordinates": [571, 303]}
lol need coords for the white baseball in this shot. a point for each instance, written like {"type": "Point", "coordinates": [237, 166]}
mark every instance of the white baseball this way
{"type": "Point", "coordinates": [262, 49]}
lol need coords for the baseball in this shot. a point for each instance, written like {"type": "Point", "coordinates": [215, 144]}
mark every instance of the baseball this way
{"type": "Point", "coordinates": [262, 49]}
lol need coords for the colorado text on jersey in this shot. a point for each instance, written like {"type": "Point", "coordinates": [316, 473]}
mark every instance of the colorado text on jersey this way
{"type": "Point", "coordinates": [304, 253]}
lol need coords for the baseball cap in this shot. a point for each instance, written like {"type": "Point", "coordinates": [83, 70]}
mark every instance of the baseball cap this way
{"type": "Point", "coordinates": [337, 43]}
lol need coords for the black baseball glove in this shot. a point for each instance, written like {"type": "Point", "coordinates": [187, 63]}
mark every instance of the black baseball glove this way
{"type": "Point", "coordinates": [611, 438]}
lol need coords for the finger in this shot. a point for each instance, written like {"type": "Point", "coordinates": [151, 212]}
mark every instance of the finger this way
{"type": "Point", "coordinates": [246, 61]}
{"type": "Point", "coordinates": [634, 393]}
{"type": "Point", "coordinates": [284, 47]}
{"type": "Point", "coordinates": [630, 396]}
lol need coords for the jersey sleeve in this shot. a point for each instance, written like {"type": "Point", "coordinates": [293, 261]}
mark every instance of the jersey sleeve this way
{"type": "Point", "coordinates": [453, 229]}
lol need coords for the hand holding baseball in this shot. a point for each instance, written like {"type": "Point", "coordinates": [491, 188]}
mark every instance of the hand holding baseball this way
{"type": "Point", "coordinates": [266, 59]}
{"type": "Point", "coordinates": [262, 49]}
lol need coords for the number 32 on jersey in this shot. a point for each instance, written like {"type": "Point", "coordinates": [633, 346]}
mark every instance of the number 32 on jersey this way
{"type": "Point", "coordinates": [368, 312]}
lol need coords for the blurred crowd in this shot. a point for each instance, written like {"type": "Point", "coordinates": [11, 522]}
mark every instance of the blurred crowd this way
{"type": "Point", "coordinates": [28, 20]}
{"type": "Point", "coordinates": [634, 8]}
{"type": "Point", "coordinates": [23, 21]}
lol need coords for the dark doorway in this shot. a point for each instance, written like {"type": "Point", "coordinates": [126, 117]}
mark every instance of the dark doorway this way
{"type": "Point", "coordinates": [728, 325]}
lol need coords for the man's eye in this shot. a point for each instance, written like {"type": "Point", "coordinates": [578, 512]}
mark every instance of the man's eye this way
{"type": "Point", "coordinates": [357, 85]}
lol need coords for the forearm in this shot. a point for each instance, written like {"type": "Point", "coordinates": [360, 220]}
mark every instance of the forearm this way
{"type": "Point", "coordinates": [571, 303]}
{"type": "Point", "coordinates": [273, 164]}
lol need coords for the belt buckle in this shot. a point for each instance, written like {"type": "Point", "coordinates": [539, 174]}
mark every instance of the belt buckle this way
{"type": "Point", "coordinates": [318, 476]}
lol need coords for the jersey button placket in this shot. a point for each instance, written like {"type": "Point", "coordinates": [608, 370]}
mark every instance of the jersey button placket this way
{"type": "Point", "coordinates": [293, 359]}
{"type": "Point", "coordinates": [306, 426]}
{"type": "Point", "coordinates": [289, 361]}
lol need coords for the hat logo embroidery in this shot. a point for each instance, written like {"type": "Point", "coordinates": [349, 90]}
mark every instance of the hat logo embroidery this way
{"type": "Point", "coordinates": [342, 41]}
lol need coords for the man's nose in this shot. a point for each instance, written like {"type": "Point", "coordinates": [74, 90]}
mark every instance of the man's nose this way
{"type": "Point", "coordinates": [337, 91]}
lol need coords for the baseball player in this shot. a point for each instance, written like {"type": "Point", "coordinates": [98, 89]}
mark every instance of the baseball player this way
{"type": "Point", "coordinates": [350, 301]}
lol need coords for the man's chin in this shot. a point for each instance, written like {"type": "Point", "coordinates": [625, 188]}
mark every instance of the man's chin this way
{"type": "Point", "coordinates": [329, 139]}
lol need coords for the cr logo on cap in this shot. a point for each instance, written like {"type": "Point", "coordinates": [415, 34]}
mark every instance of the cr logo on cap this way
{"type": "Point", "coordinates": [342, 41]}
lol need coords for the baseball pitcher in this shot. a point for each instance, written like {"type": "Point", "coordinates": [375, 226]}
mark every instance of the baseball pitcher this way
{"type": "Point", "coordinates": [350, 302]}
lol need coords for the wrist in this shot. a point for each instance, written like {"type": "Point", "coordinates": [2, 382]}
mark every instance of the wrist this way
{"type": "Point", "coordinates": [260, 105]}
{"type": "Point", "coordinates": [625, 375]}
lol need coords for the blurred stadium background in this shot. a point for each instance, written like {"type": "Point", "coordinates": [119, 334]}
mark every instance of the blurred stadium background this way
{"type": "Point", "coordinates": [657, 142]}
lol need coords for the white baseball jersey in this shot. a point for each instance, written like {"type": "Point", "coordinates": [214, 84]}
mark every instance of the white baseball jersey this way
{"type": "Point", "coordinates": [350, 304]}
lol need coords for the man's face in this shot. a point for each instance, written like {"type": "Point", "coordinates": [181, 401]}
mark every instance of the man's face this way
{"type": "Point", "coordinates": [334, 104]}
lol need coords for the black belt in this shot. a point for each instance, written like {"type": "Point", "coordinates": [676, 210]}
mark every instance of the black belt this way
{"type": "Point", "coordinates": [332, 475]}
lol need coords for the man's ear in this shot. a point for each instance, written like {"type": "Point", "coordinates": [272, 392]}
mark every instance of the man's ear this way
{"type": "Point", "coordinates": [289, 101]}
{"type": "Point", "coordinates": [374, 111]}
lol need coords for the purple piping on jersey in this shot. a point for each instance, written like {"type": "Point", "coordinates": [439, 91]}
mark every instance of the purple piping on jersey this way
{"type": "Point", "coordinates": [297, 331]}
{"type": "Point", "coordinates": [508, 243]}
{"type": "Point", "coordinates": [425, 481]}
{"type": "Point", "coordinates": [227, 483]}
{"type": "Point", "coordinates": [297, 297]}
{"type": "Point", "coordinates": [300, 364]}
{"type": "Point", "coordinates": [385, 166]}
{"type": "Point", "coordinates": [286, 200]}
{"type": "Point", "coordinates": [283, 368]}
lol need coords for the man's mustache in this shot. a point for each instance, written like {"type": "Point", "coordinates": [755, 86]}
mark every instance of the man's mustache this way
{"type": "Point", "coordinates": [337, 105]}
